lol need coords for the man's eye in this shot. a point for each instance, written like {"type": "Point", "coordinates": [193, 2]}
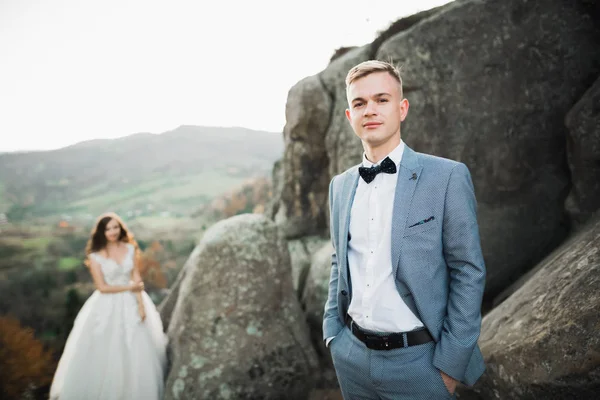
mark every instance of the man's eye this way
{"type": "Point", "coordinates": [357, 105]}
{"type": "Point", "coordinates": [383, 100]}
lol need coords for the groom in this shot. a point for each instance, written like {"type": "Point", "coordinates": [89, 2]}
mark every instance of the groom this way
{"type": "Point", "coordinates": [403, 313]}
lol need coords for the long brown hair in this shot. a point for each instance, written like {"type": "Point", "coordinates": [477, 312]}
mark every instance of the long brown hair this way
{"type": "Point", "coordinates": [97, 240]}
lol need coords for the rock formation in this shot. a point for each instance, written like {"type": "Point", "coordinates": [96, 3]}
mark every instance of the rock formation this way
{"type": "Point", "coordinates": [237, 330]}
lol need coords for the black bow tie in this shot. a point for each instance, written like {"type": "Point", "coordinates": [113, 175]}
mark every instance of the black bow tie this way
{"type": "Point", "coordinates": [368, 174]}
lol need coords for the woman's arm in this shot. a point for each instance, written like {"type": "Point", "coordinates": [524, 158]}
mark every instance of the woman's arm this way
{"type": "Point", "coordinates": [101, 285]}
{"type": "Point", "coordinates": [137, 280]}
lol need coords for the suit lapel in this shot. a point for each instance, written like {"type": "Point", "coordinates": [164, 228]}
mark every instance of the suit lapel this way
{"type": "Point", "coordinates": [348, 192]}
{"type": "Point", "coordinates": [408, 177]}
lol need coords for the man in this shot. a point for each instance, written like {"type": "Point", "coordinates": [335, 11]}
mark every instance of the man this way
{"type": "Point", "coordinates": [403, 314]}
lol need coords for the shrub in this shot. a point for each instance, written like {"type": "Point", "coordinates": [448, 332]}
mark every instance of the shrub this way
{"type": "Point", "coordinates": [25, 366]}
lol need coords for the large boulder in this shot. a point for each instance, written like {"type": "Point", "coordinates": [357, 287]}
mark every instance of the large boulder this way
{"type": "Point", "coordinates": [343, 146]}
{"type": "Point", "coordinates": [542, 342]}
{"type": "Point", "coordinates": [489, 84]}
{"type": "Point", "coordinates": [314, 298]}
{"type": "Point", "coordinates": [493, 81]}
{"type": "Point", "coordinates": [318, 140]}
{"type": "Point", "coordinates": [301, 253]}
{"type": "Point", "coordinates": [237, 330]}
{"type": "Point", "coordinates": [301, 203]}
{"type": "Point", "coordinates": [167, 305]}
{"type": "Point", "coordinates": [583, 144]}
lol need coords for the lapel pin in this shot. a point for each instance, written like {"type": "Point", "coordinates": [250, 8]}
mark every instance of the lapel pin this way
{"type": "Point", "coordinates": [413, 177]}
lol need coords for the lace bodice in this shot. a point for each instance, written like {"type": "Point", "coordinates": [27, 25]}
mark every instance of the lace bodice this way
{"type": "Point", "coordinates": [115, 273]}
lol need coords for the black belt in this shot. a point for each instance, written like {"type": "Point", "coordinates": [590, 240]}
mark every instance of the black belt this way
{"type": "Point", "coordinates": [390, 341]}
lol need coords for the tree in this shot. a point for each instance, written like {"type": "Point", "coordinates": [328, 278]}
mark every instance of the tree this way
{"type": "Point", "coordinates": [150, 268]}
{"type": "Point", "coordinates": [249, 197]}
{"type": "Point", "coordinates": [73, 304]}
{"type": "Point", "coordinates": [25, 366]}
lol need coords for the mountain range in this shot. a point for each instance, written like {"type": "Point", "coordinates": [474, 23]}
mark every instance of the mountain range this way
{"type": "Point", "coordinates": [175, 171]}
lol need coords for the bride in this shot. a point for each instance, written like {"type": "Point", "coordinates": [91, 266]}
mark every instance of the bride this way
{"type": "Point", "coordinates": [117, 348]}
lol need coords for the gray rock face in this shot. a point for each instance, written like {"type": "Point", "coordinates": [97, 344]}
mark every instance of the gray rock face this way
{"type": "Point", "coordinates": [237, 331]}
{"type": "Point", "coordinates": [543, 342]}
{"type": "Point", "coordinates": [343, 146]}
{"type": "Point", "coordinates": [491, 87]}
{"type": "Point", "coordinates": [301, 253]}
{"type": "Point", "coordinates": [313, 300]}
{"type": "Point", "coordinates": [302, 208]}
{"type": "Point", "coordinates": [583, 146]}
{"type": "Point", "coordinates": [319, 141]}
{"type": "Point", "coordinates": [489, 84]}
{"type": "Point", "coordinates": [167, 306]}
{"type": "Point", "coordinates": [315, 296]}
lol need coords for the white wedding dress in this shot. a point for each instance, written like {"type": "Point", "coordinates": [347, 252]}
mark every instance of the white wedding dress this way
{"type": "Point", "coordinates": [110, 353]}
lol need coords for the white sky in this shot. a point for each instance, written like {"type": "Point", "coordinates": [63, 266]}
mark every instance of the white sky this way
{"type": "Point", "coordinates": [74, 70]}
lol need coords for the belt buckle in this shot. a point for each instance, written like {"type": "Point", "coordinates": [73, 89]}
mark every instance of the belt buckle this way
{"type": "Point", "coordinates": [386, 343]}
{"type": "Point", "coordinates": [371, 342]}
{"type": "Point", "coordinates": [378, 342]}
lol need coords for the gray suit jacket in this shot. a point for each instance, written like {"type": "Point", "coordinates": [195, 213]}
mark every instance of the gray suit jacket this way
{"type": "Point", "coordinates": [438, 265]}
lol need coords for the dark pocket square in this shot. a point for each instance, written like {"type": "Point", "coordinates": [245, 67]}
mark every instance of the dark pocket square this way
{"type": "Point", "coordinates": [423, 222]}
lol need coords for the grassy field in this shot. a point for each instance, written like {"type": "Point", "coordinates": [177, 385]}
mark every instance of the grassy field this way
{"type": "Point", "coordinates": [182, 195]}
{"type": "Point", "coordinates": [162, 185]}
{"type": "Point", "coordinates": [69, 263]}
{"type": "Point", "coordinates": [177, 171]}
{"type": "Point", "coordinates": [40, 265]}
{"type": "Point", "coordinates": [4, 203]}
{"type": "Point", "coordinates": [36, 243]}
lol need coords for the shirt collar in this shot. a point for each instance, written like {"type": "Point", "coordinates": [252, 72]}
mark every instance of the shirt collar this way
{"type": "Point", "coordinates": [395, 155]}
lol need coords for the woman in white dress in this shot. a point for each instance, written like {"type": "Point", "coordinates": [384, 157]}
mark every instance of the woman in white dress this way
{"type": "Point", "coordinates": [117, 347]}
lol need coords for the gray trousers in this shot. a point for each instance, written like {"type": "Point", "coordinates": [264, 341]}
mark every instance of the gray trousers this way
{"type": "Point", "coordinates": [397, 374]}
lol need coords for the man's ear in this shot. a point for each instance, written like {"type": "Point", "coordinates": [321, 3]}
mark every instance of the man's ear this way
{"type": "Point", "coordinates": [404, 108]}
{"type": "Point", "coordinates": [348, 115]}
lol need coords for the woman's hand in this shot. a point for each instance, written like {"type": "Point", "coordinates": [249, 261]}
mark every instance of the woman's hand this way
{"type": "Point", "coordinates": [142, 312]}
{"type": "Point", "coordinates": [137, 286]}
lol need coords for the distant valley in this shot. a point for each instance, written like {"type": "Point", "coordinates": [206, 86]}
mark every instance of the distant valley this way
{"type": "Point", "coordinates": [168, 174]}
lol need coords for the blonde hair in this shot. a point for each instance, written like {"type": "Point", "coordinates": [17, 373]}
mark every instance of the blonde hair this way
{"type": "Point", "coordinates": [371, 66]}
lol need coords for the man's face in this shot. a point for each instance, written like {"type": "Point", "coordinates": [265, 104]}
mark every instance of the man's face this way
{"type": "Point", "coordinates": [376, 108]}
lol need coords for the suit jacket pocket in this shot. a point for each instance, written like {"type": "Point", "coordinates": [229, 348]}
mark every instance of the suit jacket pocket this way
{"type": "Point", "coordinates": [420, 228]}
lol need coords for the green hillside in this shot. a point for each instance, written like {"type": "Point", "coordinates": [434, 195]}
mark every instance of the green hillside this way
{"type": "Point", "coordinates": [143, 174]}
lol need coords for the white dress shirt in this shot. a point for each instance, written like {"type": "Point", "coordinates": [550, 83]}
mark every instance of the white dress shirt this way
{"type": "Point", "coordinates": [376, 304]}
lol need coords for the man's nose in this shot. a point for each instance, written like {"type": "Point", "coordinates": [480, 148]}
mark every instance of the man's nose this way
{"type": "Point", "coordinates": [370, 108]}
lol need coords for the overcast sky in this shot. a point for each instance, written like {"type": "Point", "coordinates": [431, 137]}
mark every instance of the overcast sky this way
{"type": "Point", "coordinates": [74, 70]}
